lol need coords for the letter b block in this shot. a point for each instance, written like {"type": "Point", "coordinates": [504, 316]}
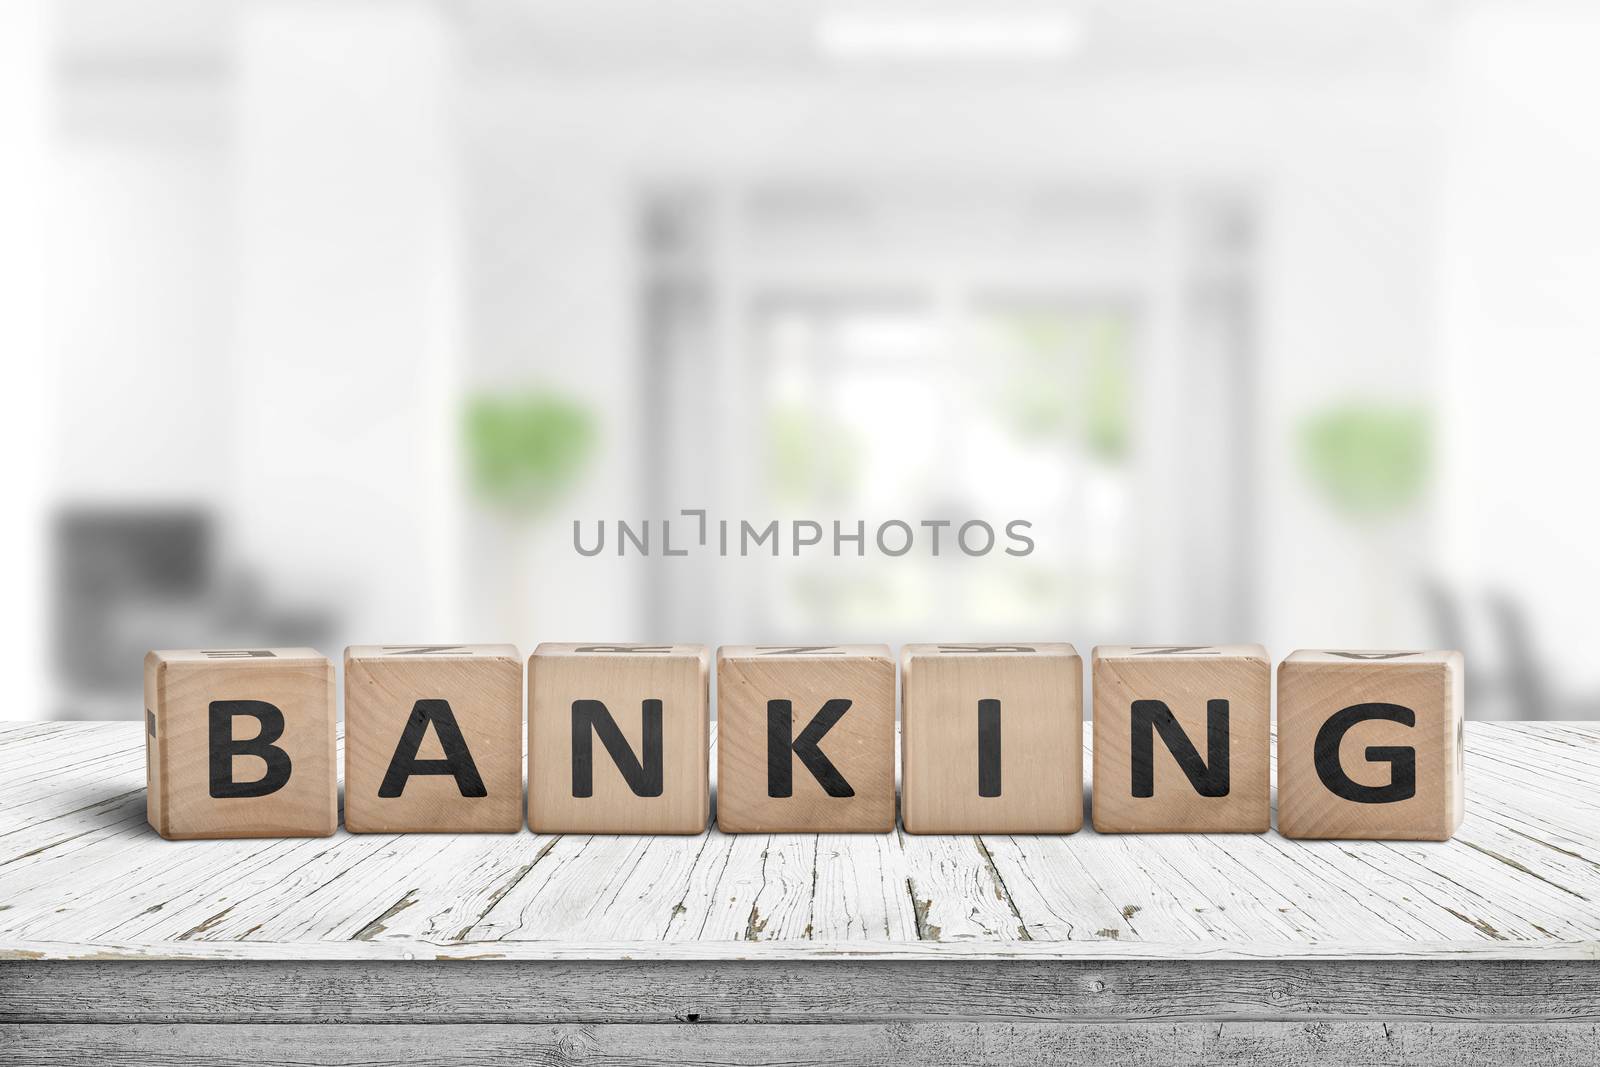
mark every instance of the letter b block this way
{"type": "Point", "coordinates": [240, 743]}
{"type": "Point", "coordinates": [805, 739]}
{"type": "Point", "coordinates": [992, 739]}
{"type": "Point", "coordinates": [619, 739]}
{"type": "Point", "coordinates": [1182, 739]}
{"type": "Point", "coordinates": [432, 738]}
{"type": "Point", "coordinates": [1370, 745]}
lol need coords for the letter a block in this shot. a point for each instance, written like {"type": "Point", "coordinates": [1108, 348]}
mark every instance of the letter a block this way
{"type": "Point", "coordinates": [991, 739]}
{"type": "Point", "coordinates": [432, 738]}
{"type": "Point", "coordinates": [240, 743]}
{"type": "Point", "coordinates": [1370, 745]}
{"type": "Point", "coordinates": [1182, 739]}
{"type": "Point", "coordinates": [619, 739]}
{"type": "Point", "coordinates": [805, 739]}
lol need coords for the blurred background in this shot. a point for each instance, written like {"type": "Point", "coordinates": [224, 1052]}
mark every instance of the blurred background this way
{"type": "Point", "coordinates": [323, 322]}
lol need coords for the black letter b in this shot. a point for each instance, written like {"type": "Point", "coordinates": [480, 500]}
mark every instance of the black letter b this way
{"type": "Point", "coordinates": [223, 748]}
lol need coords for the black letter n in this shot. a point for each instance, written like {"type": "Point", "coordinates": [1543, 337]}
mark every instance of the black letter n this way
{"type": "Point", "coordinates": [223, 748]}
{"type": "Point", "coordinates": [592, 717]}
{"type": "Point", "coordinates": [1210, 777]}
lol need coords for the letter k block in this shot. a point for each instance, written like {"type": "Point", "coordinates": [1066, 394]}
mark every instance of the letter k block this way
{"type": "Point", "coordinates": [805, 739]}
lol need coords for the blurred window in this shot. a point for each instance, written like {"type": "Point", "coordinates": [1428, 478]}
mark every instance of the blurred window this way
{"type": "Point", "coordinates": [919, 354]}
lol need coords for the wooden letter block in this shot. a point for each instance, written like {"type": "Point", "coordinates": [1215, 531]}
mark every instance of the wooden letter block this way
{"type": "Point", "coordinates": [240, 743]}
{"type": "Point", "coordinates": [1370, 745]}
{"type": "Point", "coordinates": [1182, 739]}
{"type": "Point", "coordinates": [991, 739]}
{"type": "Point", "coordinates": [805, 739]}
{"type": "Point", "coordinates": [432, 738]}
{"type": "Point", "coordinates": [619, 739]}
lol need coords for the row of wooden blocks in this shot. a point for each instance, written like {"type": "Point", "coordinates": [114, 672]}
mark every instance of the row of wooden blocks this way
{"type": "Point", "coordinates": [241, 742]}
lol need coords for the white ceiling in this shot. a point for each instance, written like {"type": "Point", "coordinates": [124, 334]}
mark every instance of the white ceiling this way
{"type": "Point", "coordinates": [625, 37]}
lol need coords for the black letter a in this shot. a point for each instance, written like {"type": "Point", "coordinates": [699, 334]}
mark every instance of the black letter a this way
{"type": "Point", "coordinates": [457, 760]}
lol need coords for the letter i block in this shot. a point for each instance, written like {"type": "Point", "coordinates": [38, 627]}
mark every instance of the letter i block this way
{"type": "Point", "coordinates": [1182, 739]}
{"type": "Point", "coordinates": [240, 743]}
{"type": "Point", "coordinates": [805, 739]}
{"type": "Point", "coordinates": [432, 738]}
{"type": "Point", "coordinates": [1370, 745]}
{"type": "Point", "coordinates": [619, 739]}
{"type": "Point", "coordinates": [991, 739]}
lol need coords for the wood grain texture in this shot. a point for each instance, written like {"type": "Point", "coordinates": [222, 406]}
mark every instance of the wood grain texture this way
{"type": "Point", "coordinates": [83, 877]}
{"type": "Point", "coordinates": [294, 685]}
{"type": "Point", "coordinates": [787, 991]}
{"type": "Point", "coordinates": [1033, 783]}
{"type": "Point", "coordinates": [860, 744]}
{"type": "Point", "coordinates": [1185, 680]}
{"type": "Point", "coordinates": [1316, 686]}
{"type": "Point", "coordinates": [481, 687]}
{"type": "Point", "coordinates": [1421, 1044]}
{"type": "Point", "coordinates": [622, 678]}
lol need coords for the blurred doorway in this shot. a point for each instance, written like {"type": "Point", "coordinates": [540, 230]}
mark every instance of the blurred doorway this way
{"type": "Point", "coordinates": [1078, 356]}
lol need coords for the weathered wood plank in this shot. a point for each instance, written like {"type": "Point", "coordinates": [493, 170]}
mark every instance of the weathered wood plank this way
{"type": "Point", "coordinates": [956, 892]}
{"type": "Point", "coordinates": [800, 949]}
{"type": "Point", "coordinates": [81, 875]}
{"type": "Point", "coordinates": [1421, 1044]}
{"type": "Point", "coordinates": [722, 886]}
{"type": "Point", "coordinates": [788, 991]}
{"type": "Point", "coordinates": [860, 892]}
{"type": "Point", "coordinates": [446, 903]}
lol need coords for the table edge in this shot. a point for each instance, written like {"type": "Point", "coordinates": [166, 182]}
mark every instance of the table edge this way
{"type": "Point", "coordinates": [401, 950]}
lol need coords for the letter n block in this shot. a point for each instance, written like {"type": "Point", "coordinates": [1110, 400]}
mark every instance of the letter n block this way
{"type": "Point", "coordinates": [240, 743]}
{"type": "Point", "coordinates": [805, 739]}
{"type": "Point", "coordinates": [1370, 745]}
{"type": "Point", "coordinates": [991, 739]}
{"type": "Point", "coordinates": [1182, 739]}
{"type": "Point", "coordinates": [619, 739]}
{"type": "Point", "coordinates": [432, 738]}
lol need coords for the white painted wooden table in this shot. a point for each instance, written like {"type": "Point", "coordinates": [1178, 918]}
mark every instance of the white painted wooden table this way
{"type": "Point", "coordinates": [118, 947]}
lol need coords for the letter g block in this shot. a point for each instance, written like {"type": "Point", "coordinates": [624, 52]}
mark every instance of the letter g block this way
{"type": "Point", "coordinates": [240, 743]}
{"type": "Point", "coordinates": [1370, 745]}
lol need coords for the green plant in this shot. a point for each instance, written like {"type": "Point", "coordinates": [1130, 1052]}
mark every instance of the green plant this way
{"type": "Point", "coordinates": [1368, 460]}
{"type": "Point", "coordinates": [525, 449]}
{"type": "Point", "coordinates": [810, 456]}
{"type": "Point", "coordinates": [1071, 380]}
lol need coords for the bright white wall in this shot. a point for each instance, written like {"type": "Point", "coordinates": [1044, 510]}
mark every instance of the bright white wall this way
{"type": "Point", "coordinates": [336, 253]}
{"type": "Point", "coordinates": [28, 400]}
{"type": "Point", "coordinates": [343, 412]}
{"type": "Point", "coordinates": [1344, 170]}
{"type": "Point", "coordinates": [1520, 319]}
{"type": "Point", "coordinates": [253, 282]}
{"type": "Point", "coordinates": [140, 313]}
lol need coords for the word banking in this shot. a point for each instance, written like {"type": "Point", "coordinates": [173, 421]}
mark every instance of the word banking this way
{"type": "Point", "coordinates": [240, 742]}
